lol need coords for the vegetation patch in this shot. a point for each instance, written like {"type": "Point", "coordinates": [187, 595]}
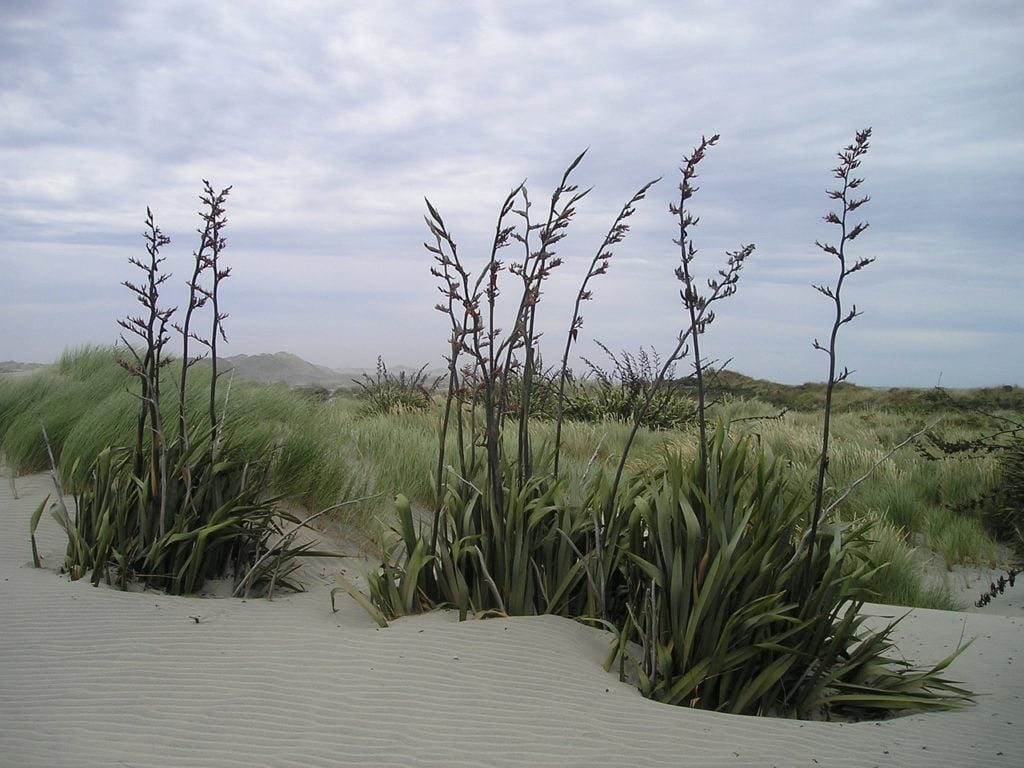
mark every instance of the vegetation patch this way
{"type": "Point", "coordinates": [726, 585]}
{"type": "Point", "coordinates": [726, 535]}
{"type": "Point", "coordinates": [180, 503]}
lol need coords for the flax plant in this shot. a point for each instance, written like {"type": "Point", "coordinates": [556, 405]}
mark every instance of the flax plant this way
{"type": "Point", "coordinates": [697, 567]}
{"type": "Point", "coordinates": [712, 592]}
{"type": "Point", "coordinates": [500, 539]}
{"type": "Point", "coordinates": [493, 507]}
{"type": "Point", "coordinates": [493, 359]}
{"type": "Point", "coordinates": [387, 393]}
{"type": "Point", "coordinates": [211, 243]}
{"type": "Point", "coordinates": [177, 510]}
{"type": "Point", "coordinates": [619, 394]}
{"type": "Point", "coordinates": [151, 328]}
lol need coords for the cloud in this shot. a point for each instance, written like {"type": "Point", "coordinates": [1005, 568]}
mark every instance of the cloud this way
{"type": "Point", "coordinates": [333, 122]}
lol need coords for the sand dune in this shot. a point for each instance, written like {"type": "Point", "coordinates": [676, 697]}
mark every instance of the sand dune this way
{"type": "Point", "coordinates": [98, 677]}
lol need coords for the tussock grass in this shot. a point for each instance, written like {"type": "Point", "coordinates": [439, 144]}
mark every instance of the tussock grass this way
{"type": "Point", "coordinates": [324, 452]}
{"type": "Point", "coordinates": [106, 421]}
{"type": "Point", "coordinates": [900, 581]}
{"type": "Point", "coordinates": [399, 452]}
{"type": "Point", "coordinates": [959, 539]}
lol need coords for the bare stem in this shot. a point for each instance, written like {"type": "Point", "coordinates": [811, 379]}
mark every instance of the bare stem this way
{"type": "Point", "coordinates": [849, 159]}
{"type": "Point", "coordinates": [598, 266]}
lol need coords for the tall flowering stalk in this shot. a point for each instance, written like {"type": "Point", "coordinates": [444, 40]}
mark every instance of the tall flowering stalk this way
{"type": "Point", "coordinates": [849, 161]}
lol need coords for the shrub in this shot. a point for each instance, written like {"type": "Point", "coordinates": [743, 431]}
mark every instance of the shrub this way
{"type": "Point", "coordinates": [620, 394]}
{"type": "Point", "coordinates": [386, 393]}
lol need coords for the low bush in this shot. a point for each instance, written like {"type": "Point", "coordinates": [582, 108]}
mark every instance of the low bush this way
{"type": "Point", "coordinates": [621, 393]}
{"type": "Point", "coordinates": [386, 393]}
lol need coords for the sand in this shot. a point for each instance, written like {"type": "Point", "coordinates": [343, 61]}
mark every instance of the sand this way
{"type": "Point", "coordinates": [98, 677]}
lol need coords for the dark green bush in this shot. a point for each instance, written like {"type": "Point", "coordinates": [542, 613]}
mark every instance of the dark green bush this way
{"type": "Point", "coordinates": [386, 393]}
{"type": "Point", "coordinates": [1006, 516]}
{"type": "Point", "coordinates": [618, 394]}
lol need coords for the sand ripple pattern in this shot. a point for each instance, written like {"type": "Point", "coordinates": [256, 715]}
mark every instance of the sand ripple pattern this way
{"type": "Point", "coordinates": [97, 677]}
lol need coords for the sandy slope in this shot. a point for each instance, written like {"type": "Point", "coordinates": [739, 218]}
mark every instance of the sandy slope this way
{"type": "Point", "coordinates": [97, 677]}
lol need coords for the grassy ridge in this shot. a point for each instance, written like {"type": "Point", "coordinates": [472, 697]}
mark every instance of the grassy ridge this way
{"type": "Point", "coordinates": [330, 451]}
{"type": "Point", "coordinates": [849, 396]}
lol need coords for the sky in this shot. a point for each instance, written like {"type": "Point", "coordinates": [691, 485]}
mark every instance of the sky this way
{"type": "Point", "coordinates": [333, 122]}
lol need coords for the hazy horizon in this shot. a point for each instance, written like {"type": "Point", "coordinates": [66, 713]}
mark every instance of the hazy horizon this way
{"type": "Point", "coordinates": [440, 366]}
{"type": "Point", "coordinates": [333, 123]}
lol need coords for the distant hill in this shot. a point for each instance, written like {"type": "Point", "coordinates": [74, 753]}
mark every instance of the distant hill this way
{"type": "Point", "coordinates": [286, 368]}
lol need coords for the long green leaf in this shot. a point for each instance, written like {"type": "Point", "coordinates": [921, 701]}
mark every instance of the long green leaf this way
{"type": "Point", "coordinates": [33, 524]}
{"type": "Point", "coordinates": [361, 599]}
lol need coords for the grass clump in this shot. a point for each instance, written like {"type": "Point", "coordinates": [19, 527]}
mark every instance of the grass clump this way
{"type": "Point", "coordinates": [899, 578]}
{"type": "Point", "coordinates": [53, 398]}
{"type": "Point", "coordinates": [998, 504]}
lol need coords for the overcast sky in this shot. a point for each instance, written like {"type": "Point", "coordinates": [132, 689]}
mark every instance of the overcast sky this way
{"type": "Point", "coordinates": [333, 121]}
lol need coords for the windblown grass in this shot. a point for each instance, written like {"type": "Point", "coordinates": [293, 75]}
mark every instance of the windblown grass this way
{"type": "Point", "coordinates": [328, 452]}
{"type": "Point", "coordinates": [54, 397]}
{"type": "Point", "coordinates": [900, 582]}
{"type": "Point", "coordinates": [937, 499]}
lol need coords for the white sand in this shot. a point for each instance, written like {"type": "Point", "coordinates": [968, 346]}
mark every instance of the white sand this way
{"type": "Point", "coordinates": [98, 677]}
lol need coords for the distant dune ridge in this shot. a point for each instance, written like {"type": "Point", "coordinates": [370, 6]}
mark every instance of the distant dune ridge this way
{"type": "Point", "coordinates": [267, 367]}
{"type": "Point", "coordinates": [12, 366]}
